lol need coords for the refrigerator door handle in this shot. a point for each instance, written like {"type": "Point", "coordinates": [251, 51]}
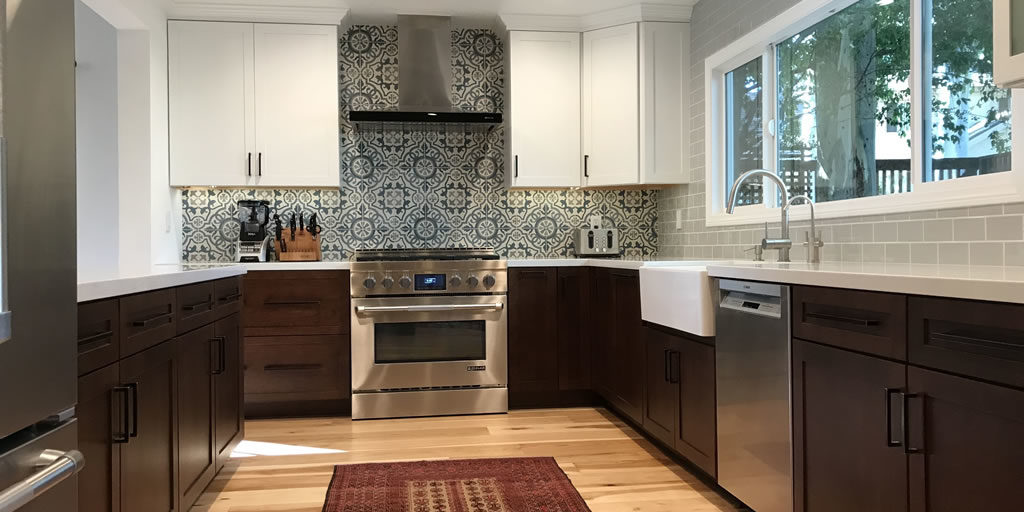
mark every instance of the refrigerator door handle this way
{"type": "Point", "coordinates": [57, 467]}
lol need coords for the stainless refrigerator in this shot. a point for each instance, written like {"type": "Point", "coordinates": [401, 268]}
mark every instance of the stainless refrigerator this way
{"type": "Point", "coordinates": [38, 308]}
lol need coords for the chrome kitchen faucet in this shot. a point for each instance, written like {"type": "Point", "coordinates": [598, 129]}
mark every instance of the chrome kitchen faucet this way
{"type": "Point", "coordinates": [783, 243]}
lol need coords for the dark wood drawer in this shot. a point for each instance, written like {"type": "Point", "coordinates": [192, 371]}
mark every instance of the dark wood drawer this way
{"type": "Point", "coordinates": [227, 294]}
{"type": "Point", "coordinates": [984, 340]}
{"type": "Point", "coordinates": [147, 319]}
{"type": "Point", "coordinates": [196, 305]}
{"type": "Point", "coordinates": [296, 368]}
{"type": "Point", "coordinates": [99, 342]}
{"type": "Point", "coordinates": [870, 322]}
{"type": "Point", "coordinates": [296, 303]}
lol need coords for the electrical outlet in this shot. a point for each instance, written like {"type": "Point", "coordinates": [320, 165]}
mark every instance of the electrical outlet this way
{"type": "Point", "coordinates": [679, 218]}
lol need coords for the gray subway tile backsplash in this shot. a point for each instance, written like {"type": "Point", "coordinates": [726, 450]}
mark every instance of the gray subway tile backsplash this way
{"type": "Point", "coordinates": [1005, 227]}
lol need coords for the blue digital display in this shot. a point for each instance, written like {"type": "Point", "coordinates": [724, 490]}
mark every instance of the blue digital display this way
{"type": "Point", "coordinates": [430, 282]}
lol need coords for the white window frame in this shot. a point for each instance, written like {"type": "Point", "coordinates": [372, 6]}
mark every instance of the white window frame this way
{"type": "Point", "coordinates": [996, 188]}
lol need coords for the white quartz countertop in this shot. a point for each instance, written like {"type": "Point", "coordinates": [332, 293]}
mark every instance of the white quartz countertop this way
{"type": "Point", "coordinates": [526, 262]}
{"type": "Point", "coordinates": [101, 284]}
{"type": "Point", "coordinates": [989, 283]}
{"type": "Point", "coordinates": [297, 265]}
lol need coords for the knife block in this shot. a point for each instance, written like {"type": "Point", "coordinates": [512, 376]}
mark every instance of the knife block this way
{"type": "Point", "coordinates": [305, 247]}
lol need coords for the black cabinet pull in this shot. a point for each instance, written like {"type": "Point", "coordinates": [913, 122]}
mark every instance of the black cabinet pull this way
{"type": "Point", "coordinates": [862, 322]}
{"type": "Point", "coordinates": [674, 367]}
{"type": "Point", "coordinates": [665, 358]}
{"type": "Point", "coordinates": [222, 354]}
{"type": "Point", "coordinates": [516, 165]}
{"type": "Point", "coordinates": [248, 164]}
{"type": "Point", "coordinates": [586, 162]}
{"type": "Point", "coordinates": [230, 298]}
{"type": "Point", "coordinates": [134, 430]}
{"type": "Point", "coordinates": [199, 305]}
{"type": "Point", "coordinates": [905, 423]}
{"type": "Point", "coordinates": [291, 367]}
{"type": "Point", "coordinates": [95, 337]}
{"type": "Point", "coordinates": [291, 302]}
{"type": "Point", "coordinates": [152, 320]}
{"type": "Point", "coordinates": [121, 437]}
{"type": "Point", "coordinates": [889, 392]}
{"type": "Point", "coordinates": [259, 164]}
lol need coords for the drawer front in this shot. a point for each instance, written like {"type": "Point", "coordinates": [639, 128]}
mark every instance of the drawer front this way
{"type": "Point", "coordinates": [296, 303]}
{"type": "Point", "coordinates": [870, 322]}
{"type": "Point", "coordinates": [147, 319]}
{"type": "Point", "coordinates": [99, 342]}
{"type": "Point", "coordinates": [196, 305]}
{"type": "Point", "coordinates": [227, 294]}
{"type": "Point", "coordinates": [296, 368]}
{"type": "Point", "coordinates": [978, 339]}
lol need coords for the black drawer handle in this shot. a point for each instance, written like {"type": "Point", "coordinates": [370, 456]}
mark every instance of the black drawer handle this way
{"type": "Point", "coordinates": [95, 337]}
{"type": "Point", "coordinates": [153, 319]}
{"type": "Point", "coordinates": [291, 367]}
{"type": "Point", "coordinates": [961, 339]}
{"type": "Point", "coordinates": [674, 367]}
{"type": "Point", "coordinates": [134, 430]}
{"type": "Point", "coordinates": [861, 322]}
{"type": "Point", "coordinates": [889, 392]}
{"type": "Point", "coordinates": [905, 423]}
{"type": "Point", "coordinates": [291, 302]}
{"type": "Point", "coordinates": [230, 298]}
{"type": "Point", "coordinates": [121, 437]}
{"type": "Point", "coordinates": [199, 305]}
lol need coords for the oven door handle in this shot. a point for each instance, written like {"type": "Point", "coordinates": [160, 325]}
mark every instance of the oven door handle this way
{"type": "Point", "coordinates": [430, 308]}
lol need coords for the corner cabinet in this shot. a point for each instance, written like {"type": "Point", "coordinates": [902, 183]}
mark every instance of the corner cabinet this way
{"type": "Point", "coordinates": [543, 98]}
{"type": "Point", "coordinates": [253, 105]}
{"type": "Point", "coordinates": [636, 105]}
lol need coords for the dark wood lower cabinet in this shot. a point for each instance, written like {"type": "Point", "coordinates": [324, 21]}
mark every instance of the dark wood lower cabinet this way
{"type": "Point", "coordinates": [661, 403]}
{"type": "Point", "coordinates": [101, 418]}
{"type": "Point", "coordinates": [198, 359]}
{"type": "Point", "coordinates": [228, 413]}
{"type": "Point", "coordinates": [533, 337]}
{"type": "Point", "coordinates": [624, 344]}
{"type": "Point", "coordinates": [696, 435]}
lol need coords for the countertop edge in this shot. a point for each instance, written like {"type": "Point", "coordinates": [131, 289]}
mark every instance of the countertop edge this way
{"type": "Point", "coordinates": [117, 286]}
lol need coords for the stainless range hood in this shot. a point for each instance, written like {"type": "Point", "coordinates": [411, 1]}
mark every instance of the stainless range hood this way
{"type": "Point", "coordinates": [424, 78]}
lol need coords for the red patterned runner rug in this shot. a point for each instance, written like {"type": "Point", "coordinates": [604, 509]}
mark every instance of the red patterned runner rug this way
{"type": "Point", "coordinates": [534, 484]}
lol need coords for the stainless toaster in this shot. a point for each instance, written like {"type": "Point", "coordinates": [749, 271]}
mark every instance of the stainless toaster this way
{"type": "Point", "coordinates": [597, 242]}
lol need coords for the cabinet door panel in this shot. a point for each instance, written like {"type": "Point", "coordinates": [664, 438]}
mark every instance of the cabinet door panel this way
{"type": "Point", "coordinates": [148, 476]}
{"type": "Point", "coordinates": [228, 416]}
{"type": "Point", "coordinates": [210, 103]}
{"type": "Point", "coordinates": [627, 344]}
{"type": "Point", "coordinates": [296, 87]}
{"type": "Point", "coordinates": [601, 313]}
{"type": "Point", "coordinates": [297, 302]}
{"type": "Point", "coordinates": [842, 461]}
{"type": "Point", "coordinates": [101, 412]}
{"type": "Point", "coordinates": [575, 350]}
{"type": "Point", "coordinates": [972, 455]}
{"type": "Point", "coordinates": [661, 401]}
{"type": "Point", "coordinates": [611, 95]}
{"type": "Point", "coordinates": [695, 433]}
{"type": "Point", "coordinates": [544, 101]}
{"type": "Point", "coordinates": [197, 361]}
{"type": "Point", "coordinates": [533, 343]}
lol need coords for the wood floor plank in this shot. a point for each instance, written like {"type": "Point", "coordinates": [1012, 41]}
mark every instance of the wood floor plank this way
{"type": "Point", "coordinates": [614, 468]}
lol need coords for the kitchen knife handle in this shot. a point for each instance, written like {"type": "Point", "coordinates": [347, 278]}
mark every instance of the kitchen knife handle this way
{"type": "Point", "coordinates": [121, 437]}
{"type": "Point", "coordinates": [134, 430]}
{"type": "Point", "coordinates": [248, 164]}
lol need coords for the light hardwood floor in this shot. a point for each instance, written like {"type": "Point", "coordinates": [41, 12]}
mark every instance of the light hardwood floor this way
{"type": "Point", "coordinates": [614, 468]}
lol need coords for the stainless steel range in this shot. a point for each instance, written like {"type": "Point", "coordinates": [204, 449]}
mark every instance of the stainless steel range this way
{"type": "Point", "coordinates": [429, 333]}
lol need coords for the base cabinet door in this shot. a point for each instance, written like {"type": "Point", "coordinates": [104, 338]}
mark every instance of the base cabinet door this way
{"type": "Point", "coordinates": [532, 337]}
{"type": "Point", "coordinates": [575, 340]}
{"type": "Point", "coordinates": [198, 359]}
{"type": "Point", "coordinates": [148, 458]}
{"type": "Point", "coordinates": [661, 402]}
{"type": "Point", "coordinates": [627, 344]}
{"type": "Point", "coordinates": [227, 388]}
{"type": "Point", "coordinates": [968, 444]}
{"type": "Point", "coordinates": [696, 438]}
{"type": "Point", "coordinates": [101, 409]}
{"type": "Point", "coordinates": [846, 410]}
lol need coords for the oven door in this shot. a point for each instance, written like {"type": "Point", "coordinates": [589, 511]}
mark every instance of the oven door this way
{"type": "Point", "coordinates": [428, 343]}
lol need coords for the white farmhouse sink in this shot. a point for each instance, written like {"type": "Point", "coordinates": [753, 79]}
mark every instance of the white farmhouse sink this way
{"type": "Point", "coordinates": [678, 295]}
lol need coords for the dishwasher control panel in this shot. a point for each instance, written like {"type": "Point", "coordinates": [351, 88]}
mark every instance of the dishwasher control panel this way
{"type": "Point", "coordinates": [752, 303]}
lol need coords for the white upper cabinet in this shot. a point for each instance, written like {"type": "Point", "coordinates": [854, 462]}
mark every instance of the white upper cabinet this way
{"type": "Point", "coordinates": [543, 128]}
{"type": "Point", "coordinates": [211, 103]}
{"type": "Point", "coordinates": [635, 104]}
{"type": "Point", "coordinates": [1008, 42]}
{"type": "Point", "coordinates": [611, 94]}
{"type": "Point", "coordinates": [253, 104]}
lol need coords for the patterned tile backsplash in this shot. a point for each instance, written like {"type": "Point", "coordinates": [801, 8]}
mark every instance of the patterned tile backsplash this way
{"type": "Point", "coordinates": [424, 186]}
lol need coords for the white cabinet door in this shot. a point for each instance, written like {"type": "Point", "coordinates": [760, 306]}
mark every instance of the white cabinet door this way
{"type": "Point", "coordinates": [664, 103]}
{"type": "Point", "coordinates": [210, 103]}
{"type": "Point", "coordinates": [296, 88]}
{"type": "Point", "coordinates": [544, 105]}
{"type": "Point", "coordinates": [611, 114]}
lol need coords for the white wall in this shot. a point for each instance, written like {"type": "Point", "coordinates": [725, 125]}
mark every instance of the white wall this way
{"type": "Point", "coordinates": [96, 120]}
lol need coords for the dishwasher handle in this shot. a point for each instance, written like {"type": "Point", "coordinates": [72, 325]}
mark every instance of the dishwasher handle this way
{"type": "Point", "coordinates": [57, 467]}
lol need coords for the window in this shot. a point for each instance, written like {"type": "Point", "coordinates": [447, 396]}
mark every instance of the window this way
{"type": "Point", "coordinates": [830, 103]}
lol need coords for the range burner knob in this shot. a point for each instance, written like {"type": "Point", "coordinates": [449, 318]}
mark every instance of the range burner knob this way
{"type": "Point", "coordinates": [472, 281]}
{"type": "Point", "coordinates": [489, 281]}
{"type": "Point", "coordinates": [455, 280]}
{"type": "Point", "coordinates": [370, 282]}
{"type": "Point", "coordinates": [404, 281]}
{"type": "Point", "coordinates": [387, 282]}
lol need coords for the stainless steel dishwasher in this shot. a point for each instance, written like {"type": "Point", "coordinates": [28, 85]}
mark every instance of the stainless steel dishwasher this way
{"type": "Point", "coordinates": [753, 369]}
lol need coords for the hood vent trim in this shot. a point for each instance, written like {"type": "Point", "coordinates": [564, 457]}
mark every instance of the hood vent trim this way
{"type": "Point", "coordinates": [424, 78]}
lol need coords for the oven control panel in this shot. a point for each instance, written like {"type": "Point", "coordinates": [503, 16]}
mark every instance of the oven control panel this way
{"type": "Point", "coordinates": [465, 280]}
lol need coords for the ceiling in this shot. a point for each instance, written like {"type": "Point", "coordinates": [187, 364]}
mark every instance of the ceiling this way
{"type": "Point", "coordinates": [384, 11]}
